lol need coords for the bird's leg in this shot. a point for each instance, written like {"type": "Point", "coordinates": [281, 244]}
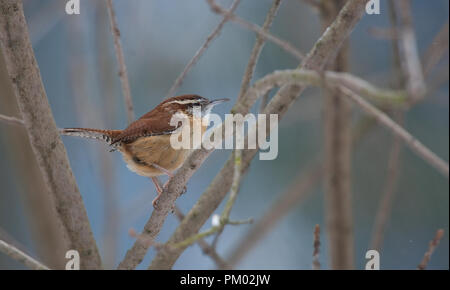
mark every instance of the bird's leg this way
{"type": "Point", "coordinates": [168, 173]}
{"type": "Point", "coordinates": [159, 190]}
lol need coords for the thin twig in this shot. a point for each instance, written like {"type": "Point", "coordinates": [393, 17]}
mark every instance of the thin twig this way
{"type": "Point", "coordinates": [201, 50]}
{"type": "Point", "coordinates": [11, 120]}
{"type": "Point", "coordinates": [322, 51]}
{"type": "Point", "coordinates": [21, 257]}
{"type": "Point", "coordinates": [437, 49]}
{"type": "Point", "coordinates": [286, 46]}
{"type": "Point", "coordinates": [213, 230]}
{"type": "Point", "coordinates": [123, 74]}
{"type": "Point", "coordinates": [431, 248]}
{"type": "Point", "coordinates": [387, 200]}
{"type": "Point", "coordinates": [206, 248]}
{"type": "Point", "coordinates": [257, 48]}
{"type": "Point", "coordinates": [44, 137]}
{"type": "Point", "coordinates": [316, 245]}
{"type": "Point", "coordinates": [415, 145]}
{"type": "Point", "coordinates": [235, 185]}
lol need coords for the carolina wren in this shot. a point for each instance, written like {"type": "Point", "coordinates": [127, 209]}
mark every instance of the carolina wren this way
{"type": "Point", "coordinates": [145, 143]}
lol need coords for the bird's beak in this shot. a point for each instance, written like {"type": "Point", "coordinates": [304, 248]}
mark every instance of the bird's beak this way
{"type": "Point", "coordinates": [218, 101]}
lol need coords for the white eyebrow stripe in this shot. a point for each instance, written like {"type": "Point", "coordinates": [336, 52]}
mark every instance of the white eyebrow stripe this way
{"type": "Point", "coordinates": [184, 102]}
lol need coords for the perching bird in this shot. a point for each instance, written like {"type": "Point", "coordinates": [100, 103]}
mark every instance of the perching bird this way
{"type": "Point", "coordinates": [145, 143]}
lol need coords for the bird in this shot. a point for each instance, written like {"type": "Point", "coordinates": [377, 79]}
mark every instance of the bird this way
{"type": "Point", "coordinates": [145, 144]}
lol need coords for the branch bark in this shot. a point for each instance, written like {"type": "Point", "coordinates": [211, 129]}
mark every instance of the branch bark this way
{"type": "Point", "coordinates": [409, 56]}
{"type": "Point", "coordinates": [123, 74]}
{"type": "Point", "coordinates": [337, 143]}
{"type": "Point", "coordinates": [11, 120]}
{"type": "Point", "coordinates": [42, 131]}
{"type": "Point", "coordinates": [431, 248]}
{"type": "Point", "coordinates": [21, 257]}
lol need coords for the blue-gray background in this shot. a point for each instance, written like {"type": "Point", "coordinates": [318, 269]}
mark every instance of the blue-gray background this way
{"type": "Point", "coordinates": [78, 67]}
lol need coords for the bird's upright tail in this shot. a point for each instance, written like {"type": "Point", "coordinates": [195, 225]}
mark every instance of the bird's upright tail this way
{"type": "Point", "coordinates": [102, 135]}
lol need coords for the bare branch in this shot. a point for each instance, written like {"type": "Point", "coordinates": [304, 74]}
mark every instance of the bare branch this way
{"type": "Point", "coordinates": [235, 185]}
{"type": "Point", "coordinates": [201, 50]}
{"type": "Point", "coordinates": [415, 145]}
{"type": "Point", "coordinates": [387, 200]}
{"type": "Point", "coordinates": [11, 120]}
{"type": "Point", "coordinates": [286, 46]}
{"type": "Point", "coordinates": [257, 48]}
{"type": "Point", "coordinates": [21, 257]}
{"type": "Point", "coordinates": [432, 247]}
{"type": "Point", "coordinates": [206, 248]}
{"type": "Point", "coordinates": [42, 131]}
{"type": "Point", "coordinates": [337, 162]}
{"type": "Point", "coordinates": [436, 50]}
{"type": "Point", "coordinates": [123, 74]}
{"type": "Point", "coordinates": [316, 244]}
{"type": "Point", "coordinates": [214, 229]}
{"type": "Point", "coordinates": [211, 198]}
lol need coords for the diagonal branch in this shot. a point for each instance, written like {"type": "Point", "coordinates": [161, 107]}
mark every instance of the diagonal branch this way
{"type": "Point", "coordinates": [11, 120]}
{"type": "Point", "coordinates": [415, 145]}
{"type": "Point", "coordinates": [431, 248]}
{"type": "Point", "coordinates": [21, 257]}
{"type": "Point", "coordinates": [41, 128]}
{"type": "Point", "coordinates": [257, 48]}
{"type": "Point", "coordinates": [201, 50]}
{"type": "Point", "coordinates": [206, 248]}
{"type": "Point", "coordinates": [258, 30]}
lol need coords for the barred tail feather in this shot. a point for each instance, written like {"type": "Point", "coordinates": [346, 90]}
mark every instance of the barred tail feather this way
{"type": "Point", "coordinates": [102, 135]}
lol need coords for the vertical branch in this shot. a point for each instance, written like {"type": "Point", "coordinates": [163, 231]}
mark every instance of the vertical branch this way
{"type": "Point", "coordinates": [316, 244]}
{"type": "Point", "coordinates": [42, 131]}
{"type": "Point", "coordinates": [337, 139]}
{"type": "Point", "coordinates": [410, 59]}
{"type": "Point", "coordinates": [48, 238]}
{"type": "Point", "coordinates": [123, 74]}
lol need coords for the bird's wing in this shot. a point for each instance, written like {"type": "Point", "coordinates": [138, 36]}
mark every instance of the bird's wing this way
{"type": "Point", "coordinates": [145, 127]}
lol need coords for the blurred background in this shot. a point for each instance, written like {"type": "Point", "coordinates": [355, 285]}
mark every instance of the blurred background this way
{"type": "Point", "coordinates": [75, 54]}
